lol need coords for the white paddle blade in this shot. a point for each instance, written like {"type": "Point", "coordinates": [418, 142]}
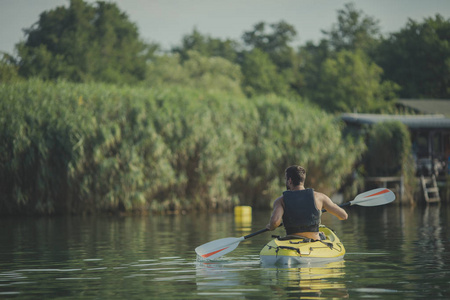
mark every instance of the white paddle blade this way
{"type": "Point", "coordinates": [374, 197]}
{"type": "Point", "coordinates": [217, 248]}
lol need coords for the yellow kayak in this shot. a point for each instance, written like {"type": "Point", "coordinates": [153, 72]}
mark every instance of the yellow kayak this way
{"type": "Point", "coordinates": [292, 250]}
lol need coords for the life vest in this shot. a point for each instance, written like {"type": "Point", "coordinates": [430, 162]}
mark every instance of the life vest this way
{"type": "Point", "coordinates": [300, 212]}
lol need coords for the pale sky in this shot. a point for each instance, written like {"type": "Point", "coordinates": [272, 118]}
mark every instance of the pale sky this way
{"type": "Point", "coordinates": [167, 21]}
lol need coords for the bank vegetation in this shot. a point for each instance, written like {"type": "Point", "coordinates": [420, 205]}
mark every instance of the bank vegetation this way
{"type": "Point", "coordinates": [80, 148]}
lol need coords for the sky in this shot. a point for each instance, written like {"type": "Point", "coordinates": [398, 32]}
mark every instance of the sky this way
{"type": "Point", "coordinates": [166, 21]}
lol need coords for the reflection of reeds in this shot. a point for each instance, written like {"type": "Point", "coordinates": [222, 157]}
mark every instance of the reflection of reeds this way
{"type": "Point", "coordinates": [94, 147]}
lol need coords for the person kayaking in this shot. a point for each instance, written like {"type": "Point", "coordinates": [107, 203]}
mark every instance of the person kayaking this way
{"type": "Point", "coordinates": [299, 208]}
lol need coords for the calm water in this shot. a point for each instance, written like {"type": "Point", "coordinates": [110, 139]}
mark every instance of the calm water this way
{"type": "Point", "coordinates": [392, 253]}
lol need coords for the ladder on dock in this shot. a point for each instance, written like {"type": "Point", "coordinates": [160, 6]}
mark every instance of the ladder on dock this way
{"type": "Point", "coordinates": [430, 189]}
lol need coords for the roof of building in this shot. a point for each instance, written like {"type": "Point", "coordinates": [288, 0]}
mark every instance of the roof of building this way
{"type": "Point", "coordinates": [412, 121]}
{"type": "Point", "coordinates": [427, 106]}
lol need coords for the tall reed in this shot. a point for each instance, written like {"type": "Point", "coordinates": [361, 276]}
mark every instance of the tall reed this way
{"type": "Point", "coordinates": [82, 148]}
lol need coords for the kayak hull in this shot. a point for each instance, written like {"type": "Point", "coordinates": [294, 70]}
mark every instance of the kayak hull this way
{"type": "Point", "coordinates": [289, 251]}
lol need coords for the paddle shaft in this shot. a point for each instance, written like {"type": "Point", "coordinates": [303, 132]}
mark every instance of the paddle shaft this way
{"type": "Point", "coordinates": [340, 205]}
{"type": "Point", "coordinates": [256, 233]}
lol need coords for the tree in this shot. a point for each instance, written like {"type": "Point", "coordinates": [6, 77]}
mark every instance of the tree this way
{"type": "Point", "coordinates": [310, 59]}
{"type": "Point", "coordinates": [418, 58]}
{"type": "Point", "coordinates": [275, 43]}
{"type": "Point", "coordinates": [207, 46]}
{"type": "Point", "coordinates": [351, 82]}
{"type": "Point", "coordinates": [8, 68]}
{"type": "Point", "coordinates": [260, 75]}
{"type": "Point", "coordinates": [202, 72]}
{"type": "Point", "coordinates": [84, 42]}
{"type": "Point", "coordinates": [354, 30]}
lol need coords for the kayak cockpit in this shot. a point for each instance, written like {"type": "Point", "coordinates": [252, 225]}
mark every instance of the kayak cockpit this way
{"type": "Point", "coordinates": [291, 250]}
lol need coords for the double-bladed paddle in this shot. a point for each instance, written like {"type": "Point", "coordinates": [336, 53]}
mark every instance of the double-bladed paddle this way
{"type": "Point", "coordinates": [217, 248]}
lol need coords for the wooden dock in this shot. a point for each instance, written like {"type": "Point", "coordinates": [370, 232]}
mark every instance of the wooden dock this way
{"type": "Point", "coordinates": [396, 184]}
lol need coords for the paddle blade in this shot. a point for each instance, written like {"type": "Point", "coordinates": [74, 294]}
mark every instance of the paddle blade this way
{"type": "Point", "coordinates": [217, 248]}
{"type": "Point", "coordinates": [374, 197]}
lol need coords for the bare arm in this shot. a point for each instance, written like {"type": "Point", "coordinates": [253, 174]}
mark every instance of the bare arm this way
{"type": "Point", "coordinates": [330, 206]}
{"type": "Point", "coordinates": [277, 214]}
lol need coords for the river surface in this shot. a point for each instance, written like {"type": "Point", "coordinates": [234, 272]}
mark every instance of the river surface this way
{"type": "Point", "coordinates": [392, 253]}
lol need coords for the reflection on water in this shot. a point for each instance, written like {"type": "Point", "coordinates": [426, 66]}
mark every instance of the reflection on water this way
{"type": "Point", "coordinates": [430, 234]}
{"type": "Point", "coordinates": [392, 252]}
{"type": "Point", "coordinates": [96, 277]}
{"type": "Point", "coordinates": [243, 219]}
{"type": "Point", "coordinates": [225, 277]}
{"type": "Point", "coordinates": [228, 278]}
{"type": "Point", "coordinates": [320, 281]}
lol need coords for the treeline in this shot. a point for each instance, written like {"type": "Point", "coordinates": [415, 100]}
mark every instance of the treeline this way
{"type": "Point", "coordinates": [81, 148]}
{"type": "Point", "coordinates": [93, 119]}
{"type": "Point", "coordinates": [353, 67]}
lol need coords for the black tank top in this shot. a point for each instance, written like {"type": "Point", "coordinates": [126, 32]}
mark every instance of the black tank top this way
{"type": "Point", "coordinates": [300, 212]}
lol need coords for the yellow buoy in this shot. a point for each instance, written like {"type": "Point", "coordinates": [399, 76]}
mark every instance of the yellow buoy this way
{"type": "Point", "coordinates": [243, 210]}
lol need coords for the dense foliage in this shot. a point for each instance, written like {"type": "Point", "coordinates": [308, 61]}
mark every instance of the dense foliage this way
{"type": "Point", "coordinates": [87, 147]}
{"type": "Point", "coordinates": [389, 145]}
{"type": "Point", "coordinates": [94, 119]}
{"type": "Point", "coordinates": [354, 83]}
{"type": "Point", "coordinates": [83, 43]}
{"type": "Point", "coordinates": [418, 58]}
{"type": "Point", "coordinates": [390, 153]}
{"type": "Point", "coordinates": [195, 71]}
{"type": "Point", "coordinates": [96, 42]}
